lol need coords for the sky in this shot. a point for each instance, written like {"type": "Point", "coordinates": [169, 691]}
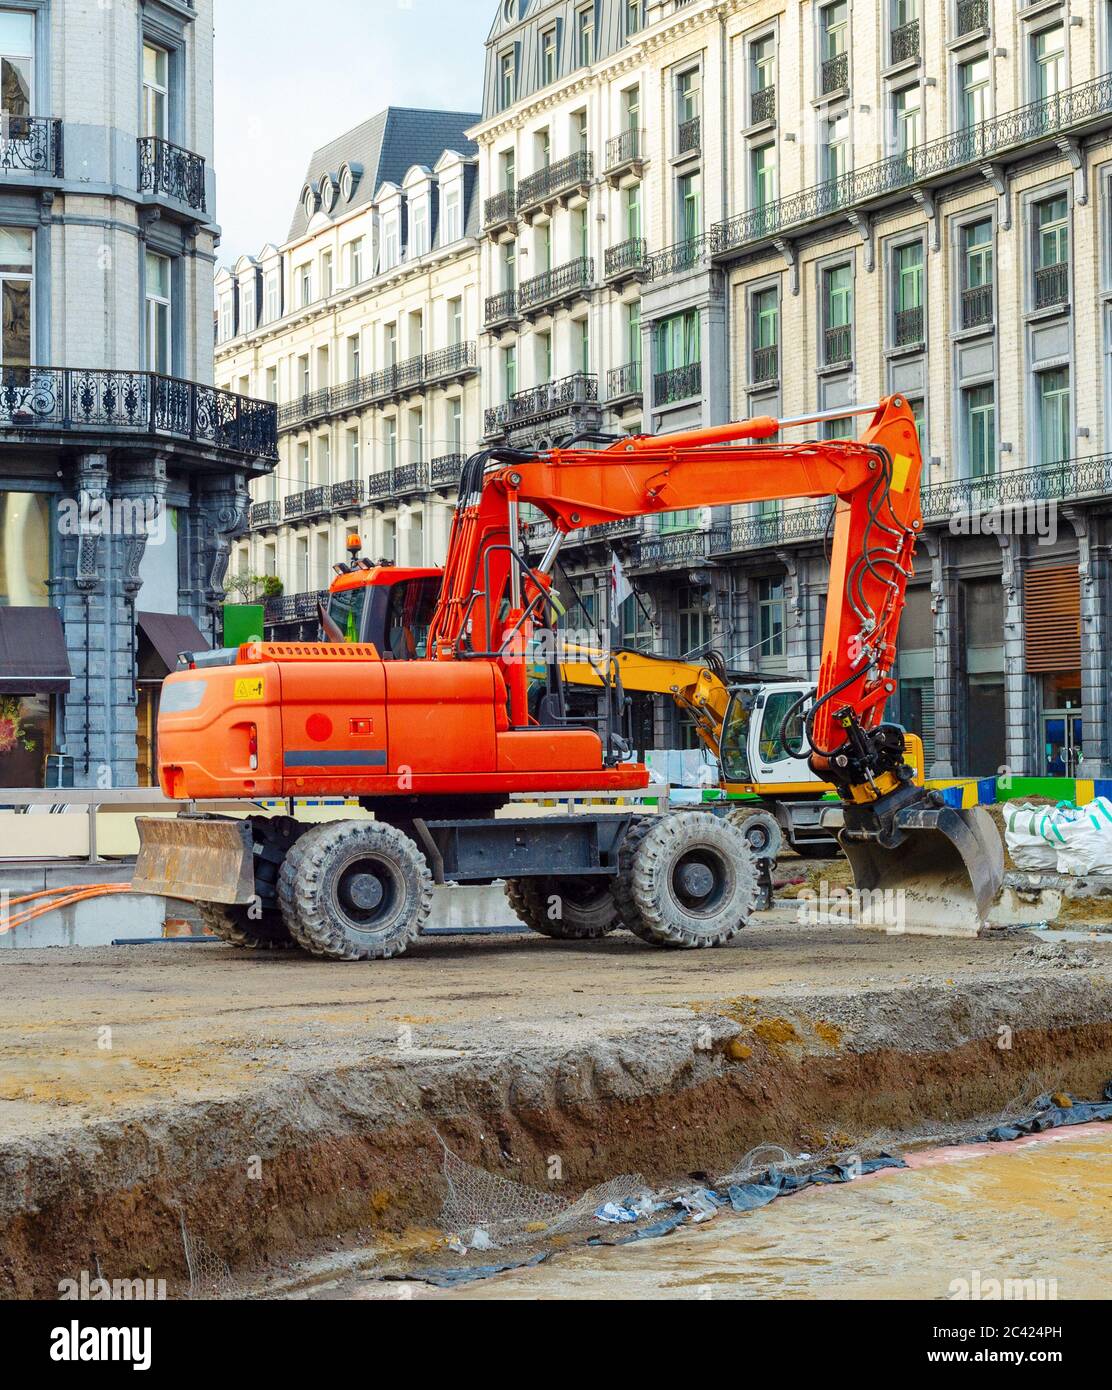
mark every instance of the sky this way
{"type": "Point", "coordinates": [292, 75]}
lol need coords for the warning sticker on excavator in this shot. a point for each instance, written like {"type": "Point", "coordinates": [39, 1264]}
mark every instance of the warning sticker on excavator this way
{"type": "Point", "coordinates": [901, 467]}
{"type": "Point", "coordinates": [251, 689]}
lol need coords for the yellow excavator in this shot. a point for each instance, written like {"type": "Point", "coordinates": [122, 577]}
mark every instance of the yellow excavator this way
{"type": "Point", "coordinates": [740, 720]}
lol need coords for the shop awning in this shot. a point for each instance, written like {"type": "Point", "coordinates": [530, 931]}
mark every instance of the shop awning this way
{"type": "Point", "coordinates": [33, 658]}
{"type": "Point", "coordinates": [169, 634]}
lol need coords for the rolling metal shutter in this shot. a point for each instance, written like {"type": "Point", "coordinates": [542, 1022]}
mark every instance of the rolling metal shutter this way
{"type": "Point", "coordinates": [1052, 619]}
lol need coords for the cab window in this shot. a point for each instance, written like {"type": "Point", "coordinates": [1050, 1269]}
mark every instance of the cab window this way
{"type": "Point", "coordinates": [777, 706]}
{"type": "Point", "coordinates": [345, 608]}
{"type": "Point", "coordinates": [412, 605]}
{"type": "Point", "coordinates": [735, 737]}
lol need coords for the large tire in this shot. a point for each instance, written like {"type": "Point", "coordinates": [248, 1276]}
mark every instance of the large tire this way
{"type": "Point", "coordinates": [623, 885]}
{"type": "Point", "coordinates": [355, 890]}
{"type": "Point", "coordinates": [760, 828]}
{"type": "Point", "coordinates": [234, 926]}
{"type": "Point", "coordinates": [694, 881]}
{"type": "Point", "coordinates": [587, 909]}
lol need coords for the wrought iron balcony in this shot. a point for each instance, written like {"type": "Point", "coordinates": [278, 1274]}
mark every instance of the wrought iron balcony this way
{"type": "Point", "coordinates": [312, 406]}
{"type": "Point", "coordinates": [675, 548]}
{"type": "Point", "coordinates": [838, 345]}
{"type": "Point", "coordinates": [676, 259]}
{"type": "Point", "coordinates": [168, 171]}
{"type": "Point", "coordinates": [380, 485]}
{"type": "Point", "coordinates": [624, 383]}
{"type": "Point", "coordinates": [555, 181]}
{"type": "Point", "coordinates": [835, 74]}
{"type": "Point", "coordinates": [264, 514]}
{"type": "Point", "coordinates": [543, 402]}
{"type": "Point", "coordinates": [445, 470]}
{"type": "Point", "coordinates": [500, 209]}
{"type": "Point", "coordinates": [628, 259]}
{"type": "Point", "coordinates": [785, 525]}
{"type": "Point", "coordinates": [346, 494]}
{"type": "Point", "coordinates": [689, 136]}
{"type": "Point", "coordinates": [625, 150]}
{"type": "Point", "coordinates": [294, 608]}
{"type": "Point", "coordinates": [568, 281]}
{"type": "Point", "coordinates": [500, 308]}
{"type": "Point", "coordinates": [410, 479]}
{"type": "Point", "coordinates": [454, 360]}
{"type": "Point", "coordinates": [1052, 285]}
{"type": "Point", "coordinates": [762, 106]}
{"type": "Point", "coordinates": [908, 327]}
{"type": "Point", "coordinates": [93, 401]}
{"type": "Point", "coordinates": [905, 43]}
{"type": "Point", "coordinates": [976, 306]}
{"type": "Point", "coordinates": [1089, 104]}
{"type": "Point", "coordinates": [766, 363]}
{"type": "Point", "coordinates": [313, 501]}
{"type": "Point", "coordinates": [679, 384]}
{"type": "Point", "coordinates": [539, 533]}
{"type": "Point", "coordinates": [972, 16]}
{"type": "Point", "coordinates": [31, 145]}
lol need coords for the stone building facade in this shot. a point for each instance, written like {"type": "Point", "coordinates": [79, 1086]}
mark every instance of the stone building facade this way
{"type": "Point", "coordinates": [362, 326]}
{"type": "Point", "coordinates": [123, 472]}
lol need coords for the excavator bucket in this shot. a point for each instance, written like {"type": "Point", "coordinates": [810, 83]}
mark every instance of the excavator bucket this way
{"type": "Point", "coordinates": [201, 858]}
{"type": "Point", "coordinates": [939, 876]}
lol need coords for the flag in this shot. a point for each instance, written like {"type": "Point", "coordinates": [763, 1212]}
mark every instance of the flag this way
{"type": "Point", "coordinates": [620, 587]}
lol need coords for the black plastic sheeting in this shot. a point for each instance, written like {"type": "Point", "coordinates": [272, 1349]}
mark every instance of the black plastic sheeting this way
{"type": "Point", "coordinates": [1050, 1115]}
{"type": "Point", "coordinates": [448, 1277]}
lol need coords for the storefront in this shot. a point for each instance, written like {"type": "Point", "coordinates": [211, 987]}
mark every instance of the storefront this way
{"type": "Point", "coordinates": [34, 678]}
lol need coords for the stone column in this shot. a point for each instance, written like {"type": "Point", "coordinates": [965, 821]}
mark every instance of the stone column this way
{"type": "Point", "coordinates": [1018, 711]}
{"type": "Point", "coordinates": [85, 603]}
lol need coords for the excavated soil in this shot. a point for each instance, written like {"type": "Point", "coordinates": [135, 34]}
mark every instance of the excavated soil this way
{"type": "Point", "coordinates": [274, 1105]}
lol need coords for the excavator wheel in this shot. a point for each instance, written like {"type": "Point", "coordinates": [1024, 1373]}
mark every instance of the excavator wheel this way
{"type": "Point", "coordinates": [234, 926]}
{"type": "Point", "coordinates": [760, 828]}
{"type": "Point", "coordinates": [568, 909]}
{"type": "Point", "coordinates": [355, 890]}
{"type": "Point", "coordinates": [694, 881]}
{"type": "Point", "coordinates": [628, 910]}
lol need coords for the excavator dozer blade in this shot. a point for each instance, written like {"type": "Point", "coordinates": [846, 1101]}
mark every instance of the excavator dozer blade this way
{"type": "Point", "coordinates": [940, 879]}
{"type": "Point", "coordinates": [202, 859]}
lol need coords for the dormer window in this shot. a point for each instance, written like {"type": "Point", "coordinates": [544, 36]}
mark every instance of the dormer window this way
{"type": "Point", "coordinates": [309, 200]}
{"type": "Point", "coordinates": [418, 228]}
{"type": "Point", "coordinates": [327, 191]}
{"type": "Point", "coordinates": [247, 305]}
{"type": "Point", "coordinates": [350, 175]}
{"type": "Point", "coordinates": [227, 318]}
{"type": "Point", "coordinates": [451, 228]}
{"type": "Point", "coordinates": [390, 243]}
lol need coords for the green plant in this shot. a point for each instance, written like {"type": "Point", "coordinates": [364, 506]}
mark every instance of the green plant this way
{"type": "Point", "coordinates": [12, 731]}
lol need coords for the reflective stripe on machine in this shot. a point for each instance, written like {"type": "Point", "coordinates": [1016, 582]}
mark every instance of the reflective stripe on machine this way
{"type": "Point", "coordinates": [316, 757]}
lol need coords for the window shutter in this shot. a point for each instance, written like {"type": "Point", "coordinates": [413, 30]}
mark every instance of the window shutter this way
{"type": "Point", "coordinates": [1052, 619]}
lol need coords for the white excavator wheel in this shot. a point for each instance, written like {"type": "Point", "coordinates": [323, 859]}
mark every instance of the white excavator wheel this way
{"type": "Point", "coordinates": [760, 828]}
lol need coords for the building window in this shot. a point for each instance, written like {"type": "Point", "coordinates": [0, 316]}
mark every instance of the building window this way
{"type": "Point", "coordinates": [273, 297]}
{"type": "Point", "coordinates": [633, 333]}
{"type": "Point", "coordinates": [762, 165]}
{"type": "Point", "coordinates": [548, 57]}
{"type": "Point", "coordinates": [585, 36]}
{"type": "Point", "coordinates": [418, 228]}
{"type": "Point", "coordinates": [633, 211]}
{"type": "Point", "coordinates": [272, 384]}
{"type": "Point", "coordinates": [508, 162]}
{"type": "Point", "coordinates": [689, 206]}
{"type": "Point", "coordinates": [227, 317]}
{"type": "Point", "coordinates": [762, 64]}
{"type": "Point", "coordinates": [1048, 57]}
{"type": "Point", "coordinates": [634, 17]}
{"type": "Point", "coordinates": [581, 331]}
{"type": "Point", "coordinates": [304, 379]}
{"type": "Point", "coordinates": [907, 111]}
{"type": "Point", "coordinates": [355, 261]}
{"type": "Point", "coordinates": [907, 287]}
{"type": "Point", "coordinates": [455, 321]}
{"type": "Point", "coordinates": [980, 430]}
{"type": "Point", "coordinates": [766, 335]}
{"type": "Point", "coordinates": [838, 314]}
{"type": "Point", "coordinates": [509, 372]}
{"type": "Point", "coordinates": [354, 357]}
{"type": "Point", "coordinates": [391, 442]}
{"type": "Point", "coordinates": [543, 343]}
{"type": "Point", "coordinates": [1052, 252]}
{"type": "Point", "coordinates": [16, 261]}
{"type": "Point", "coordinates": [159, 314]}
{"type": "Point", "coordinates": [579, 133]}
{"type": "Point", "coordinates": [324, 460]}
{"type": "Point", "coordinates": [455, 425]}
{"type": "Point", "coordinates": [542, 146]}
{"type": "Point", "coordinates": [17, 65]}
{"type": "Point", "coordinates": [247, 305]}
{"type": "Point", "coordinates": [305, 283]}
{"type": "Point", "coordinates": [977, 274]}
{"type": "Point", "coordinates": [974, 86]}
{"type": "Point", "coordinates": [1054, 415]}
{"type": "Point", "coordinates": [631, 108]}
{"type": "Point", "coordinates": [417, 435]}
{"type": "Point", "coordinates": [452, 228]}
{"type": "Point", "coordinates": [507, 79]}
{"type": "Point", "coordinates": [695, 624]}
{"type": "Point", "coordinates": [688, 104]}
{"type": "Point", "coordinates": [391, 250]}
{"type": "Point", "coordinates": [390, 344]}
{"type": "Point", "coordinates": [770, 617]}
{"type": "Point", "coordinates": [156, 91]}
{"type": "Point", "coordinates": [326, 273]}
{"type": "Point", "coordinates": [834, 38]}
{"type": "Point", "coordinates": [835, 148]}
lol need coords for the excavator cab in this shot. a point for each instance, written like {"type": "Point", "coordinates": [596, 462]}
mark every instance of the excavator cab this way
{"type": "Point", "coordinates": [384, 606]}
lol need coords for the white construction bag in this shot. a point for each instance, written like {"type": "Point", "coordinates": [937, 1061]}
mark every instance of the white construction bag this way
{"type": "Point", "coordinates": [1087, 840]}
{"type": "Point", "coordinates": [1034, 834]}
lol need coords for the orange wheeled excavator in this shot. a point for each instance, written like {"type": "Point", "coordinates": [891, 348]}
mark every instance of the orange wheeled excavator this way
{"type": "Point", "coordinates": [435, 737]}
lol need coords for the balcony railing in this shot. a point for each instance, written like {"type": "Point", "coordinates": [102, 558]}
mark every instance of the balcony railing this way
{"type": "Point", "coordinates": [908, 327]}
{"type": "Point", "coordinates": [762, 106]}
{"type": "Point", "coordinates": [167, 170]}
{"type": "Point", "coordinates": [380, 485]}
{"type": "Point", "coordinates": [410, 479]}
{"type": "Point", "coordinates": [1040, 120]}
{"type": "Point", "coordinates": [563, 282]}
{"type": "Point", "coordinates": [905, 43]}
{"type": "Point", "coordinates": [622, 383]}
{"type": "Point", "coordinates": [264, 514]}
{"type": "Point", "coordinates": [676, 548]}
{"type": "Point", "coordinates": [676, 259]}
{"type": "Point", "coordinates": [348, 493]}
{"type": "Point", "coordinates": [136, 403]}
{"type": "Point", "coordinates": [839, 345]}
{"type": "Point", "coordinates": [311, 406]}
{"type": "Point", "coordinates": [972, 16]}
{"type": "Point", "coordinates": [679, 384]}
{"type": "Point", "coordinates": [31, 144]}
{"type": "Point", "coordinates": [689, 136]}
{"type": "Point", "coordinates": [294, 608]}
{"type": "Point", "coordinates": [450, 361]}
{"type": "Point", "coordinates": [1052, 285]}
{"type": "Point", "coordinates": [445, 470]}
{"type": "Point", "coordinates": [976, 306]}
{"type": "Point", "coordinates": [785, 525]}
{"type": "Point", "coordinates": [623, 149]}
{"type": "Point", "coordinates": [543, 402]}
{"type": "Point", "coordinates": [835, 73]}
{"type": "Point", "coordinates": [553, 180]}
{"type": "Point", "coordinates": [766, 363]}
{"type": "Point", "coordinates": [500, 208]}
{"type": "Point", "coordinates": [627, 259]}
{"type": "Point", "coordinates": [500, 308]}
